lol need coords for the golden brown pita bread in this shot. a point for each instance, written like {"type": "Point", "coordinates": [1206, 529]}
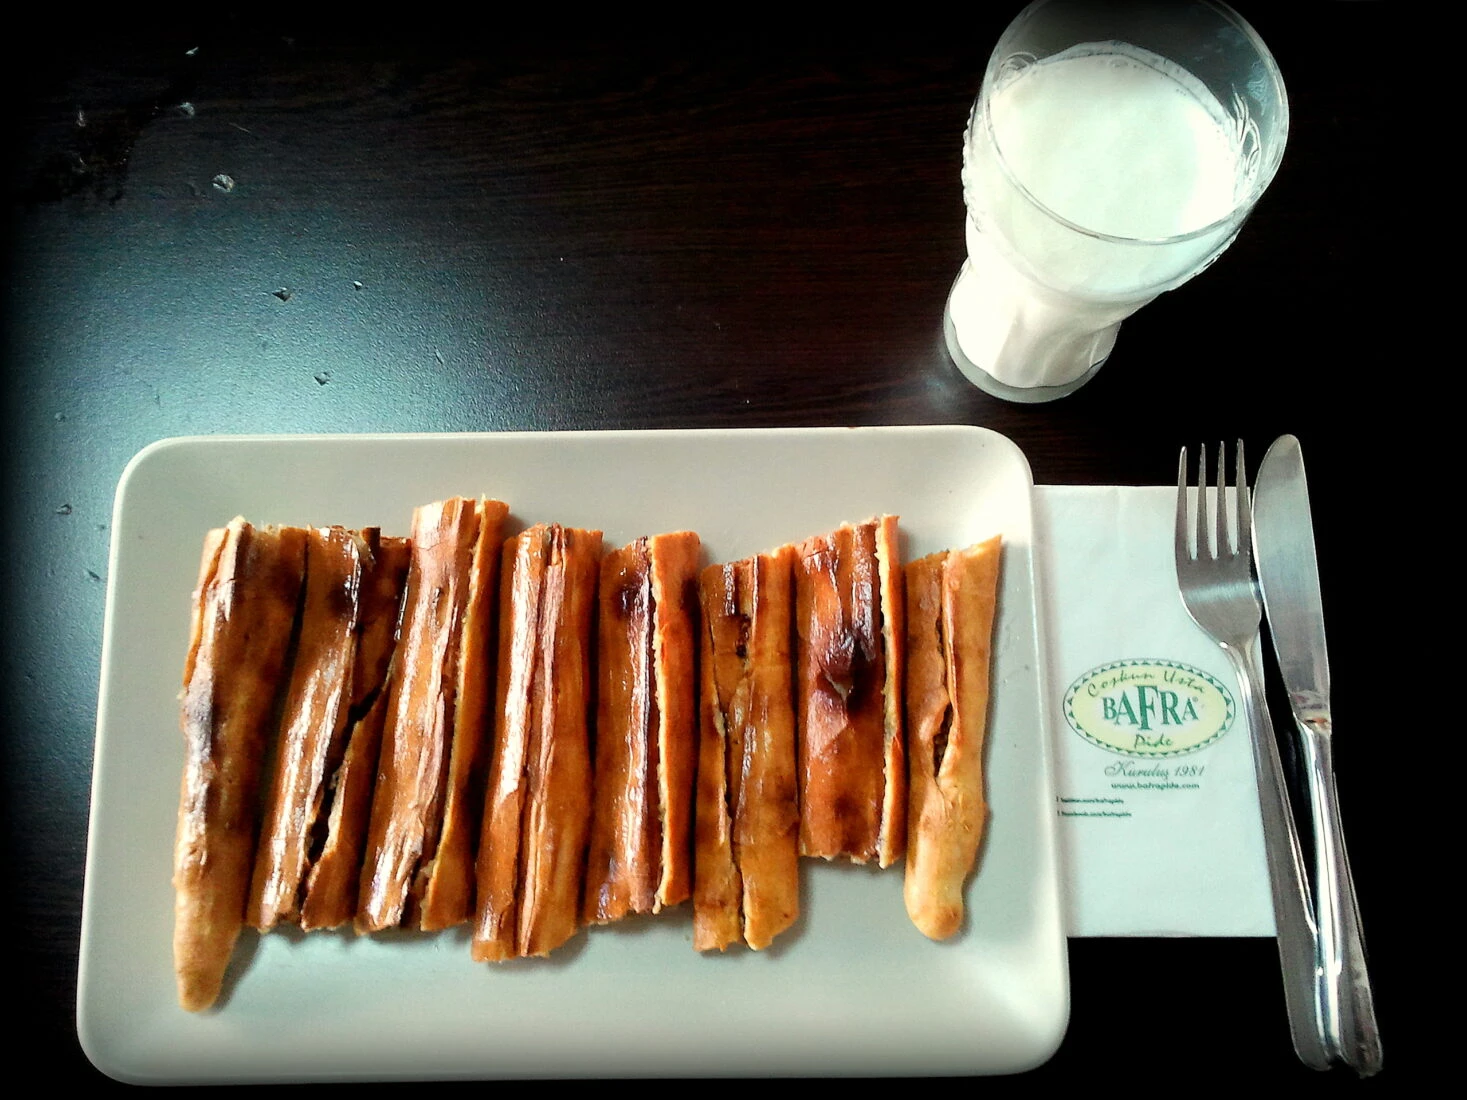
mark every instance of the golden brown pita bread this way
{"type": "Point", "coordinates": [951, 606]}
{"type": "Point", "coordinates": [537, 809]}
{"type": "Point", "coordinates": [244, 611]}
{"type": "Point", "coordinates": [331, 887]}
{"type": "Point", "coordinates": [640, 854]}
{"type": "Point", "coordinates": [746, 835]}
{"type": "Point", "coordinates": [418, 869]}
{"type": "Point", "coordinates": [848, 620]}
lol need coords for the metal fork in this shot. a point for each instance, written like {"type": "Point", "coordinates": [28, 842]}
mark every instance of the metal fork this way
{"type": "Point", "coordinates": [1218, 589]}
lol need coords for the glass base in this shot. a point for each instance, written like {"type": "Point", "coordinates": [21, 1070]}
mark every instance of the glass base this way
{"type": "Point", "coordinates": [1028, 395]}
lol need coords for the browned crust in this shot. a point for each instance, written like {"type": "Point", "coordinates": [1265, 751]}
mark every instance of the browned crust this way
{"type": "Point", "coordinates": [244, 612]}
{"type": "Point", "coordinates": [448, 882]}
{"type": "Point", "coordinates": [675, 646]}
{"type": "Point", "coordinates": [717, 887]}
{"type": "Point", "coordinates": [537, 809]}
{"type": "Point", "coordinates": [622, 856]}
{"type": "Point", "coordinates": [522, 582]}
{"type": "Point", "coordinates": [952, 601]}
{"type": "Point", "coordinates": [415, 772]}
{"type": "Point", "coordinates": [891, 841]}
{"type": "Point", "coordinates": [746, 834]}
{"type": "Point", "coordinates": [314, 724]}
{"type": "Point", "coordinates": [850, 751]}
{"type": "Point", "coordinates": [639, 856]}
{"type": "Point", "coordinates": [332, 883]}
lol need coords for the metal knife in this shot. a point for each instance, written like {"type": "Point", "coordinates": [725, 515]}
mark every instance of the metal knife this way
{"type": "Point", "coordinates": [1288, 575]}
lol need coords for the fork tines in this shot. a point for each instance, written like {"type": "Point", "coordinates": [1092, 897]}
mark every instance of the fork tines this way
{"type": "Point", "coordinates": [1226, 539]}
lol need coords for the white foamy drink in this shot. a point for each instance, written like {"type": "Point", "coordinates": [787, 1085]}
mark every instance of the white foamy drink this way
{"type": "Point", "coordinates": [1098, 178]}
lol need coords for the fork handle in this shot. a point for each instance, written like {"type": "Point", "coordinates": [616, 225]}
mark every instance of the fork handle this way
{"type": "Point", "coordinates": [1348, 1008]}
{"type": "Point", "coordinates": [1292, 910]}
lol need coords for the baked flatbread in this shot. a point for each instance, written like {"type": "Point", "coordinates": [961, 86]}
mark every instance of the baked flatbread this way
{"type": "Point", "coordinates": [849, 622]}
{"type": "Point", "coordinates": [537, 810]}
{"type": "Point", "coordinates": [418, 869]}
{"type": "Point", "coordinates": [746, 833]}
{"type": "Point", "coordinates": [314, 728]}
{"type": "Point", "coordinates": [951, 604]}
{"type": "Point", "coordinates": [244, 612]}
{"type": "Point", "coordinates": [334, 878]}
{"type": "Point", "coordinates": [640, 854]}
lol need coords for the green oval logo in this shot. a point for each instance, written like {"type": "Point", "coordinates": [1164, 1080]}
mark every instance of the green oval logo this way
{"type": "Point", "coordinates": [1149, 708]}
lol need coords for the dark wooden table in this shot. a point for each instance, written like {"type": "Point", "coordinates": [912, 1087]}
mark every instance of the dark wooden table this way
{"type": "Point", "coordinates": [265, 222]}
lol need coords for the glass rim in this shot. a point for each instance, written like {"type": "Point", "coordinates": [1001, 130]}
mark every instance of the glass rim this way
{"type": "Point", "coordinates": [1236, 214]}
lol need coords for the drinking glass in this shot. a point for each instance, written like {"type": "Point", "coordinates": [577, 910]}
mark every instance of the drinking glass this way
{"type": "Point", "coordinates": [1113, 152]}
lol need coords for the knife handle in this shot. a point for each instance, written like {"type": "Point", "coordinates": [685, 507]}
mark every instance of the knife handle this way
{"type": "Point", "coordinates": [1348, 1006]}
{"type": "Point", "coordinates": [1293, 912]}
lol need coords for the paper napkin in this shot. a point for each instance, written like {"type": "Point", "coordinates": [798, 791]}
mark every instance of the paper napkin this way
{"type": "Point", "coordinates": [1158, 807]}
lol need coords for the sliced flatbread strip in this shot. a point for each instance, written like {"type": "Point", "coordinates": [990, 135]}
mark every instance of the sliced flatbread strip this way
{"type": "Point", "coordinates": [951, 605]}
{"type": "Point", "coordinates": [746, 831]}
{"type": "Point", "coordinates": [313, 729]}
{"type": "Point", "coordinates": [244, 614]}
{"type": "Point", "coordinates": [848, 618]}
{"type": "Point", "coordinates": [445, 897]}
{"type": "Point", "coordinates": [640, 858]}
{"type": "Point", "coordinates": [333, 880]}
{"type": "Point", "coordinates": [537, 810]}
{"type": "Point", "coordinates": [429, 749]}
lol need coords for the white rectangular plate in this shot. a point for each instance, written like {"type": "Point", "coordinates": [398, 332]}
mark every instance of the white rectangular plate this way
{"type": "Point", "coordinates": [852, 988]}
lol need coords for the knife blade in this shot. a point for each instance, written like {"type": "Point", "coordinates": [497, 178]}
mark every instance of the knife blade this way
{"type": "Point", "coordinates": [1288, 577]}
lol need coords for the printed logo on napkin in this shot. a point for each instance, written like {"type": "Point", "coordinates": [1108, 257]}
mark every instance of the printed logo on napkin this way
{"type": "Point", "coordinates": [1149, 708]}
